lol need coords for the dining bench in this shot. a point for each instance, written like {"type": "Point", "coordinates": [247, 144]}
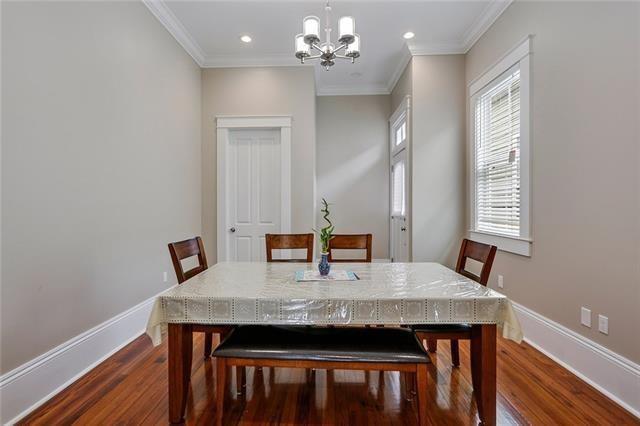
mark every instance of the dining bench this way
{"type": "Point", "coordinates": [386, 349]}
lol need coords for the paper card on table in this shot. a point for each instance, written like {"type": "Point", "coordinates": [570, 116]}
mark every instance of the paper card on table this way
{"type": "Point", "coordinates": [333, 276]}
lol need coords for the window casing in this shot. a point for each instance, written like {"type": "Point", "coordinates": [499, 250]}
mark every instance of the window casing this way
{"type": "Point", "coordinates": [499, 149]}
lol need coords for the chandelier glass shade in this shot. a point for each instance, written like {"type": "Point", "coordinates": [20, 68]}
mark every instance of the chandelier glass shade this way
{"type": "Point", "coordinates": [327, 51]}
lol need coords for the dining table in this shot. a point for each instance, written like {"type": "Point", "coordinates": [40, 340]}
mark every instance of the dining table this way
{"type": "Point", "coordinates": [394, 294]}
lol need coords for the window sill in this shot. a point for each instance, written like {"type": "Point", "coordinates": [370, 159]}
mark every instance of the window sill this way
{"type": "Point", "coordinates": [521, 246]}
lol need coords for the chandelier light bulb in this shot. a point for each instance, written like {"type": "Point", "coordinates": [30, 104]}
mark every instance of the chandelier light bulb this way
{"type": "Point", "coordinates": [311, 28]}
{"type": "Point", "coordinates": [353, 49]}
{"type": "Point", "coordinates": [302, 48]}
{"type": "Point", "coordinates": [346, 28]}
{"type": "Point", "coordinates": [245, 38]}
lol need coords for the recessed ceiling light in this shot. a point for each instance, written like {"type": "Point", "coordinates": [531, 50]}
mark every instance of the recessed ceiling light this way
{"type": "Point", "coordinates": [408, 35]}
{"type": "Point", "coordinates": [245, 38]}
{"type": "Point", "coordinates": [356, 74]}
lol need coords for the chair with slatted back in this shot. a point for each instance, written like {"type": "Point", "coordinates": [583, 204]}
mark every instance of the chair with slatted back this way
{"type": "Point", "coordinates": [289, 242]}
{"type": "Point", "coordinates": [351, 242]}
{"type": "Point", "coordinates": [479, 252]}
{"type": "Point", "coordinates": [183, 250]}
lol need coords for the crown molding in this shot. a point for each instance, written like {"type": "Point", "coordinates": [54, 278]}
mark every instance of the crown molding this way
{"type": "Point", "coordinates": [399, 69]}
{"type": "Point", "coordinates": [491, 12]}
{"type": "Point", "coordinates": [488, 16]}
{"type": "Point", "coordinates": [234, 61]}
{"type": "Point", "coordinates": [361, 89]}
{"type": "Point", "coordinates": [436, 49]}
{"type": "Point", "coordinates": [166, 17]}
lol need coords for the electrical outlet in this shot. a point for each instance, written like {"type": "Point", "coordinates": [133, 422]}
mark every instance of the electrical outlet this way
{"type": "Point", "coordinates": [585, 317]}
{"type": "Point", "coordinates": [500, 281]}
{"type": "Point", "coordinates": [603, 324]}
{"type": "Point", "coordinates": [164, 277]}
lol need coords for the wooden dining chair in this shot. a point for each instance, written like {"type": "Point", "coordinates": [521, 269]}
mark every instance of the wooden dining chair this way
{"type": "Point", "coordinates": [288, 242]}
{"type": "Point", "coordinates": [183, 250]}
{"type": "Point", "coordinates": [479, 252]}
{"type": "Point", "coordinates": [351, 242]}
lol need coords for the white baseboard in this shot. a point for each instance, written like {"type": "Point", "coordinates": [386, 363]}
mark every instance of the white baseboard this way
{"type": "Point", "coordinates": [25, 388]}
{"type": "Point", "coordinates": [614, 375]}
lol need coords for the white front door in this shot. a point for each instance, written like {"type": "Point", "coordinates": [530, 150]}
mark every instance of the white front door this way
{"type": "Point", "coordinates": [254, 192]}
{"type": "Point", "coordinates": [399, 139]}
{"type": "Point", "coordinates": [399, 234]}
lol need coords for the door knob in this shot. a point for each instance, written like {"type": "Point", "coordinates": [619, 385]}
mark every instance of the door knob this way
{"type": "Point", "coordinates": [403, 229]}
{"type": "Point", "coordinates": [232, 229]}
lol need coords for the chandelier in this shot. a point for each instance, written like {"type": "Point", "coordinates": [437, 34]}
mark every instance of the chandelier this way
{"type": "Point", "coordinates": [348, 40]}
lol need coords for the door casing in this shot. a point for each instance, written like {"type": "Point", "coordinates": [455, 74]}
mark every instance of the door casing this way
{"type": "Point", "coordinates": [224, 124]}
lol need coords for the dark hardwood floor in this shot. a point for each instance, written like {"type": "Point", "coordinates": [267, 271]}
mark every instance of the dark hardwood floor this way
{"type": "Point", "coordinates": [131, 388]}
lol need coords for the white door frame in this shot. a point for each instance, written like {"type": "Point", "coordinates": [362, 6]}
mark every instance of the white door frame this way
{"type": "Point", "coordinates": [224, 124]}
{"type": "Point", "coordinates": [403, 111]}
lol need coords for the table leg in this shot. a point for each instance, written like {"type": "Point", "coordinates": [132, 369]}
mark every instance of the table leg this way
{"type": "Point", "coordinates": [180, 354]}
{"type": "Point", "coordinates": [483, 371]}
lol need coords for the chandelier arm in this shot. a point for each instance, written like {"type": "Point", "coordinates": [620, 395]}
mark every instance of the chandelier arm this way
{"type": "Point", "coordinates": [344, 57]}
{"type": "Point", "coordinates": [315, 46]}
{"type": "Point", "coordinates": [313, 57]}
{"type": "Point", "coordinates": [342, 46]}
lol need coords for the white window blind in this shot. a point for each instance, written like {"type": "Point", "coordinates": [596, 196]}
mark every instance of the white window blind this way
{"type": "Point", "coordinates": [398, 188]}
{"type": "Point", "coordinates": [497, 156]}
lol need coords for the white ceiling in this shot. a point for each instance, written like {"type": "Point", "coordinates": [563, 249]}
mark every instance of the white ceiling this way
{"type": "Point", "coordinates": [210, 31]}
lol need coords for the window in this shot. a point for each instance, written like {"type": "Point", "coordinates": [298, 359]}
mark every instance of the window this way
{"type": "Point", "coordinates": [500, 152]}
{"type": "Point", "coordinates": [401, 133]}
{"type": "Point", "coordinates": [398, 189]}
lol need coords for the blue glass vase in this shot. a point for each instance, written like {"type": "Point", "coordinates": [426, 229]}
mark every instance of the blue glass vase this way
{"type": "Point", "coordinates": [324, 267]}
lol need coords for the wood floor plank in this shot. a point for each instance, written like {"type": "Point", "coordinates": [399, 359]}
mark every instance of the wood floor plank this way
{"type": "Point", "coordinates": [131, 388]}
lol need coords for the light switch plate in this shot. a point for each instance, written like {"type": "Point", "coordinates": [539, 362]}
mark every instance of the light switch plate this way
{"type": "Point", "coordinates": [164, 277]}
{"type": "Point", "coordinates": [500, 281]}
{"type": "Point", "coordinates": [603, 324]}
{"type": "Point", "coordinates": [585, 317]}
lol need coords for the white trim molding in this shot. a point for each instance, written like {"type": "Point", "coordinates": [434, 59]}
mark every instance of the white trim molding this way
{"type": "Point", "coordinates": [30, 385]}
{"type": "Point", "coordinates": [610, 373]}
{"type": "Point", "coordinates": [359, 89]}
{"type": "Point", "coordinates": [167, 18]}
{"type": "Point", "coordinates": [518, 56]}
{"type": "Point", "coordinates": [489, 15]}
{"type": "Point", "coordinates": [163, 13]}
{"type": "Point", "coordinates": [223, 126]}
{"type": "Point", "coordinates": [521, 246]}
{"type": "Point", "coordinates": [405, 57]}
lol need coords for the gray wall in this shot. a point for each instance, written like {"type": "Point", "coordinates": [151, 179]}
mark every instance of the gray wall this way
{"type": "Point", "coordinates": [100, 166]}
{"type": "Point", "coordinates": [438, 158]}
{"type": "Point", "coordinates": [586, 163]}
{"type": "Point", "coordinates": [353, 165]}
{"type": "Point", "coordinates": [261, 91]}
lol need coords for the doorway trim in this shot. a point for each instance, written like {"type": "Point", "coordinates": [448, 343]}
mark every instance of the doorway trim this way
{"type": "Point", "coordinates": [403, 111]}
{"type": "Point", "coordinates": [224, 124]}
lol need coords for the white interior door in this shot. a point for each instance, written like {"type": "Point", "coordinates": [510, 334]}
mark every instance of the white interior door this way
{"type": "Point", "coordinates": [254, 192]}
{"type": "Point", "coordinates": [399, 234]}
{"type": "Point", "coordinates": [400, 189]}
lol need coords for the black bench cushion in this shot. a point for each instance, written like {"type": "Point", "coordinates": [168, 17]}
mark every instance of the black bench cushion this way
{"type": "Point", "coordinates": [347, 344]}
{"type": "Point", "coordinates": [441, 328]}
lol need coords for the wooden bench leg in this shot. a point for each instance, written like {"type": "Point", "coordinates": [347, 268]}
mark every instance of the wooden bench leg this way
{"type": "Point", "coordinates": [432, 344]}
{"type": "Point", "coordinates": [240, 380]}
{"type": "Point", "coordinates": [208, 344]}
{"type": "Point", "coordinates": [221, 379]}
{"type": "Point", "coordinates": [423, 397]}
{"type": "Point", "coordinates": [455, 353]}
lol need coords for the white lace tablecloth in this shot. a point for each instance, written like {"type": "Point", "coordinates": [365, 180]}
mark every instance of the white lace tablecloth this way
{"type": "Point", "coordinates": [386, 293]}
